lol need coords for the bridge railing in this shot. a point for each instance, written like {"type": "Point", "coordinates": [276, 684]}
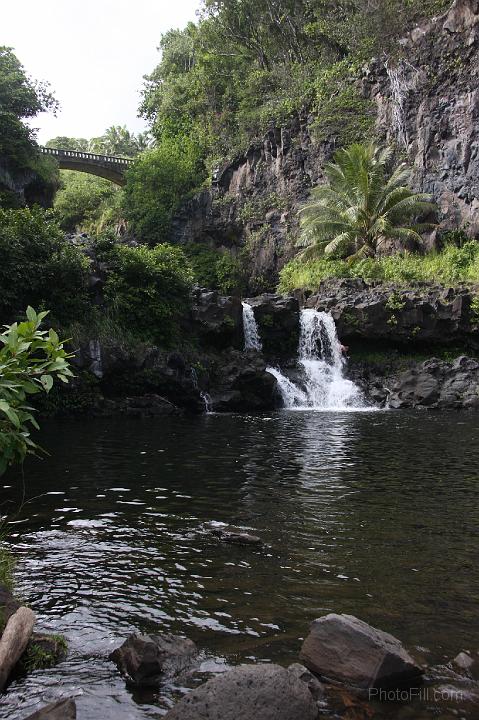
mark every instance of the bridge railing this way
{"type": "Point", "coordinates": [79, 155]}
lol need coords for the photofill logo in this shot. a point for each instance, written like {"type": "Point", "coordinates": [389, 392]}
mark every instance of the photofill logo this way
{"type": "Point", "coordinates": [423, 694]}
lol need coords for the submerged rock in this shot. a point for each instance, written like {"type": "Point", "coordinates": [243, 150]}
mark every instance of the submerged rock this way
{"type": "Point", "coordinates": [259, 692]}
{"type": "Point", "coordinates": [146, 660]}
{"type": "Point", "coordinates": [64, 709]}
{"type": "Point", "coordinates": [348, 650]}
{"type": "Point", "coordinates": [237, 537]}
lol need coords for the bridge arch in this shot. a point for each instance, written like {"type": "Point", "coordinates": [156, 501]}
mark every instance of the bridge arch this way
{"type": "Point", "coordinates": [109, 167]}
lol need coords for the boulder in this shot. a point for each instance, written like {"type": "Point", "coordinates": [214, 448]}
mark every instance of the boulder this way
{"type": "Point", "coordinates": [463, 661]}
{"type": "Point", "coordinates": [217, 320]}
{"type": "Point", "coordinates": [259, 692]}
{"type": "Point", "coordinates": [277, 317]}
{"type": "Point", "coordinates": [302, 673]}
{"type": "Point", "coordinates": [347, 650]}
{"type": "Point", "coordinates": [64, 709]}
{"type": "Point", "coordinates": [146, 660]}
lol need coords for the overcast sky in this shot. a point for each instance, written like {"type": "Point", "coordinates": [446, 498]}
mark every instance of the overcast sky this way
{"type": "Point", "coordinates": [94, 53]}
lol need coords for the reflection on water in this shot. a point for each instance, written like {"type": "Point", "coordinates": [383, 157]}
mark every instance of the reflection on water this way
{"type": "Point", "coordinates": [373, 514]}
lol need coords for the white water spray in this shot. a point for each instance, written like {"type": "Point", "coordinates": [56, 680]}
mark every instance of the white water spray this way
{"type": "Point", "coordinates": [252, 339]}
{"type": "Point", "coordinates": [322, 384]}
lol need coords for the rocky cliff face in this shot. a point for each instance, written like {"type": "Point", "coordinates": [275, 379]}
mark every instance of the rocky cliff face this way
{"type": "Point", "coordinates": [427, 103]}
{"type": "Point", "coordinates": [427, 100]}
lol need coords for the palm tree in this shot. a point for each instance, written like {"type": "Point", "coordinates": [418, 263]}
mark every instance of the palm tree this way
{"type": "Point", "coordinates": [361, 206]}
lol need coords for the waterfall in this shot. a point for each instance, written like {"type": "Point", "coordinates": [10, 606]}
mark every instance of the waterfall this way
{"type": "Point", "coordinates": [321, 363]}
{"type": "Point", "coordinates": [251, 335]}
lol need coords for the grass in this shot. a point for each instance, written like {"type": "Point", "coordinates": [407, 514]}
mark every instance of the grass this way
{"type": "Point", "coordinates": [452, 266]}
{"type": "Point", "coordinates": [7, 566]}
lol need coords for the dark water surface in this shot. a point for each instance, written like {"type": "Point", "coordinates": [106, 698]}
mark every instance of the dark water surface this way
{"type": "Point", "coordinates": [373, 514]}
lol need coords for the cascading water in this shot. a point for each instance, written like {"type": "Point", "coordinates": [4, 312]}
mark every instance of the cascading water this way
{"type": "Point", "coordinates": [252, 339]}
{"type": "Point", "coordinates": [322, 384]}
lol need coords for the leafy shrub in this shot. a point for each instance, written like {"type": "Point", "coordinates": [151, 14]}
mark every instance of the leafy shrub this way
{"type": "Point", "coordinates": [451, 266]}
{"type": "Point", "coordinates": [147, 290]}
{"type": "Point", "coordinates": [39, 267]}
{"type": "Point", "coordinates": [156, 184]}
{"type": "Point", "coordinates": [216, 270]}
{"type": "Point", "coordinates": [30, 359]}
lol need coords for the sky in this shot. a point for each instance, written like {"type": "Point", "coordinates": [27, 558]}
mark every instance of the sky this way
{"type": "Point", "coordinates": [94, 54]}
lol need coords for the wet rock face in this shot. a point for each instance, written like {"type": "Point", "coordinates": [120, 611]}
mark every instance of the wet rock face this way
{"type": "Point", "coordinates": [217, 320]}
{"type": "Point", "coordinates": [146, 660]}
{"type": "Point", "coordinates": [385, 312]}
{"type": "Point", "coordinates": [438, 384]}
{"type": "Point", "coordinates": [262, 692]}
{"type": "Point", "coordinates": [438, 82]}
{"type": "Point", "coordinates": [241, 383]}
{"type": "Point", "coordinates": [347, 650]}
{"type": "Point", "coordinates": [277, 317]}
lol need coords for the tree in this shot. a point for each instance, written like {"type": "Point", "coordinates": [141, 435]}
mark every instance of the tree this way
{"type": "Point", "coordinates": [30, 360]}
{"type": "Point", "coordinates": [362, 205]}
{"type": "Point", "coordinates": [67, 143]}
{"type": "Point", "coordinates": [20, 98]}
{"type": "Point", "coordinates": [82, 200]}
{"type": "Point", "coordinates": [155, 185]}
{"type": "Point", "coordinates": [117, 140]}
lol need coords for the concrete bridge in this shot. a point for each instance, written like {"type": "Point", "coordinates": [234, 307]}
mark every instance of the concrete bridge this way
{"type": "Point", "coordinates": [105, 166]}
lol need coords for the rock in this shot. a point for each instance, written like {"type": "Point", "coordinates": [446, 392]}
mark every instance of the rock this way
{"type": "Point", "coordinates": [463, 661]}
{"type": "Point", "coordinates": [237, 538]}
{"type": "Point", "coordinates": [146, 660]}
{"type": "Point", "coordinates": [64, 709]}
{"type": "Point", "coordinates": [277, 317]}
{"type": "Point", "coordinates": [241, 383]}
{"type": "Point", "coordinates": [249, 692]}
{"type": "Point", "coordinates": [347, 650]}
{"type": "Point", "coordinates": [218, 320]}
{"type": "Point", "coordinates": [314, 685]}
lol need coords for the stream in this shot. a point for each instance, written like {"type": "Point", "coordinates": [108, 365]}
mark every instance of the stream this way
{"type": "Point", "coordinates": [370, 513]}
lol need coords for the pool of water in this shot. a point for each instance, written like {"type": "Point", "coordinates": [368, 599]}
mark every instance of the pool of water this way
{"type": "Point", "coordinates": [373, 514]}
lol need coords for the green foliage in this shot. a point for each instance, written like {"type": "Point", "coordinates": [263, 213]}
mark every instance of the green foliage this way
{"type": "Point", "coordinates": [7, 567]}
{"type": "Point", "coordinates": [43, 652]}
{"type": "Point", "coordinates": [21, 98]}
{"type": "Point", "coordinates": [230, 273]}
{"type": "Point", "coordinates": [148, 290]}
{"type": "Point", "coordinates": [342, 114]}
{"type": "Point", "coordinates": [475, 310]}
{"type": "Point", "coordinates": [83, 200]}
{"type": "Point", "coordinates": [249, 64]}
{"type": "Point", "coordinates": [362, 205]}
{"type": "Point", "coordinates": [39, 267]}
{"type": "Point", "coordinates": [451, 266]}
{"type": "Point", "coordinates": [255, 209]}
{"type": "Point", "coordinates": [30, 360]}
{"type": "Point", "coordinates": [116, 140]}
{"type": "Point", "coordinates": [158, 181]}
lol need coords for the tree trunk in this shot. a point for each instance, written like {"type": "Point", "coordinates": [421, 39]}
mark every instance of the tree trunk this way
{"type": "Point", "coordinates": [14, 641]}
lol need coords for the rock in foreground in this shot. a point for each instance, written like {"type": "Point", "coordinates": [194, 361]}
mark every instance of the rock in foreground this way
{"type": "Point", "coordinates": [348, 650]}
{"type": "Point", "coordinates": [262, 692]}
{"type": "Point", "coordinates": [146, 660]}
{"type": "Point", "coordinates": [64, 709]}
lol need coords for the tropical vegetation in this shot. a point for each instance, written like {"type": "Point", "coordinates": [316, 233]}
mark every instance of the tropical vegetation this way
{"type": "Point", "coordinates": [362, 205]}
{"type": "Point", "coordinates": [30, 360]}
{"type": "Point", "coordinates": [451, 266]}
